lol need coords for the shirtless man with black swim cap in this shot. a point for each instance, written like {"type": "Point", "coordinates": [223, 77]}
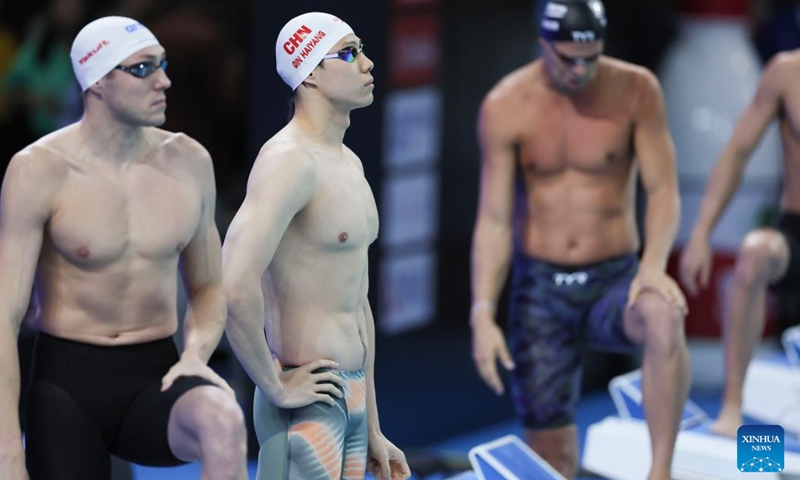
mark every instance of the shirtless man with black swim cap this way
{"type": "Point", "coordinates": [572, 123]}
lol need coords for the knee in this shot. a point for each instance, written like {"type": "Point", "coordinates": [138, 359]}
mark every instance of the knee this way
{"type": "Point", "coordinates": [759, 254]}
{"type": "Point", "coordinates": [662, 321]}
{"type": "Point", "coordinates": [220, 419]}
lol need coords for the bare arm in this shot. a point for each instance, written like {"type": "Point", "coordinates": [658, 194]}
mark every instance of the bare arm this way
{"type": "Point", "coordinates": [492, 237]}
{"type": "Point", "coordinates": [202, 274]}
{"type": "Point", "coordinates": [727, 173]}
{"type": "Point", "coordinates": [385, 461]}
{"type": "Point", "coordinates": [656, 158]}
{"type": "Point", "coordinates": [280, 185]}
{"type": "Point", "coordinates": [28, 193]}
{"type": "Point", "coordinates": [655, 153]}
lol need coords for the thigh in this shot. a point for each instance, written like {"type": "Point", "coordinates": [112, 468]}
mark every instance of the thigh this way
{"type": "Point", "coordinates": [605, 324]}
{"type": "Point", "coordinates": [788, 251]}
{"type": "Point", "coordinates": [316, 440]}
{"type": "Point", "coordinates": [61, 441]}
{"type": "Point", "coordinates": [355, 452]}
{"type": "Point", "coordinates": [355, 445]}
{"type": "Point", "coordinates": [143, 436]}
{"type": "Point", "coordinates": [272, 430]}
{"type": "Point", "coordinates": [546, 351]}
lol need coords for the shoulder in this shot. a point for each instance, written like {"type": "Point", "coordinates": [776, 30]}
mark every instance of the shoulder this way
{"type": "Point", "coordinates": [498, 110]}
{"type": "Point", "coordinates": [640, 89]}
{"type": "Point", "coordinates": [512, 87]}
{"type": "Point", "coordinates": [179, 145]}
{"type": "Point", "coordinates": [38, 163]}
{"type": "Point", "coordinates": [34, 177]}
{"type": "Point", "coordinates": [46, 161]}
{"type": "Point", "coordinates": [182, 150]}
{"type": "Point", "coordinates": [635, 78]}
{"type": "Point", "coordinates": [286, 161]}
{"type": "Point", "coordinates": [781, 70]}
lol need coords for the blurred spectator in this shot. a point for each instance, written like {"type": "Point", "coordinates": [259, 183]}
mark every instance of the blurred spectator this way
{"type": "Point", "coordinates": [39, 86]}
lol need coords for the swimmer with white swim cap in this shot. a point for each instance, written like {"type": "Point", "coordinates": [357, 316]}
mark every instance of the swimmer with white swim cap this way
{"type": "Point", "coordinates": [295, 266]}
{"type": "Point", "coordinates": [577, 127]}
{"type": "Point", "coordinates": [101, 213]}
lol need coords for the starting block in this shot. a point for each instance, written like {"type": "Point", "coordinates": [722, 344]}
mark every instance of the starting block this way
{"type": "Point", "coordinates": [619, 447]}
{"type": "Point", "coordinates": [771, 392]}
{"type": "Point", "coordinates": [509, 458]}
{"type": "Point", "coordinates": [791, 345]}
{"type": "Point", "coordinates": [626, 392]}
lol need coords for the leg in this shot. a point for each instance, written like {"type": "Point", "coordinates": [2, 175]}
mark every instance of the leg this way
{"type": "Point", "coordinates": [763, 258]}
{"type": "Point", "coordinates": [665, 373]}
{"type": "Point", "coordinates": [558, 446]}
{"type": "Point", "coordinates": [272, 429]}
{"type": "Point", "coordinates": [545, 389]}
{"type": "Point", "coordinates": [357, 439]}
{"type": "Point", "coordinates": [316, 442]}
{"type": "Point", "coordinates": [61, 443]}
{"type": "Point", "coordinates": [207, 424]}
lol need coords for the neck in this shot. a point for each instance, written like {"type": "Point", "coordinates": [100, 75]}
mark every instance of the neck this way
{"type": "Point", "coordinates": [108, 138]}
{"type": "Point", "coordinates": [322, 121]}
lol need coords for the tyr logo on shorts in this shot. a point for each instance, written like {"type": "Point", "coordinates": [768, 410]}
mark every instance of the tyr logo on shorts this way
{"type": "Point", "coordinates": [563, 278]}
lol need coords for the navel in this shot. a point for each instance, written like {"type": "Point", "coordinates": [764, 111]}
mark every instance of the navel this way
{"type": "Point", "coordinates": [342, 237]}
{"type": "Point", "coordinates": [83, 252]}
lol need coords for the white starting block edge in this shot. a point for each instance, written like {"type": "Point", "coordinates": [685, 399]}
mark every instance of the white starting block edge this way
{"type": "Point", "coordinates": [626, 392]}
{"type": "Point", "coordinates": [791, 345]}
{"type": "Point", "coordinates": [771, 393]}
{"type": "Point", "coordinates": [482, 457]}
{"type": "Point", "coordinates": [619, 448]}
{"type": "Point", "coordinates": [469, 475]}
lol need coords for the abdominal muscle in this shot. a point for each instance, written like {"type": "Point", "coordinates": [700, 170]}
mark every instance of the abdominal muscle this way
{"type": "Point", "coordinates": [315, 317]}
{"type": "Point", "coordinates": [300, 338]}
{"type": "Point", "coordinates": [108, 308]}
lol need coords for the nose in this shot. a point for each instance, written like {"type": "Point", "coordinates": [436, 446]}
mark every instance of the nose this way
{"type": "Point", "coordinates": [366, 63]}
{"type": "Point", "coordinates": [579, 69]}
{"type": "Point", "coordinates": [162, 81]}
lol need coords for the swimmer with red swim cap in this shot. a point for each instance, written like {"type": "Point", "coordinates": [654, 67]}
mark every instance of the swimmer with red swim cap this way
{"type": "Point", "coordinates": [576, 128]}
{"type": "Point", "coordinates": [295, 266]}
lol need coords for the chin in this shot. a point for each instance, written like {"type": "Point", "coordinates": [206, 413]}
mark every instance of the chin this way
{"type": "Point", "coordinates": [155, 121]}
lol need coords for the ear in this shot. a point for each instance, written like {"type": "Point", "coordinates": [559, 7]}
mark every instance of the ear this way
{"type": "Point", "coordinates": [311, 80]}
{"type": "Point", "coordinates": [95, 90]}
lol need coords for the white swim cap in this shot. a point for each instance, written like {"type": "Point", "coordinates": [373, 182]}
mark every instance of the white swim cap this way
{"type": "Point", "coordinates": [103, 44]}
{"type": "Point", "coordinates": [303, 42]}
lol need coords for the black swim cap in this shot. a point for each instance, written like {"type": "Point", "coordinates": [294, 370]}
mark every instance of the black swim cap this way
{"type": "Point", "coordinates": [573, 21]}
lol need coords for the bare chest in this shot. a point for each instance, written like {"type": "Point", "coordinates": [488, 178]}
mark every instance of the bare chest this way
{"type": "Point", "coordinates": [342, 213]}
{"type": "Point", "coordinates": [594, 141]}
{"type": "Point", "coordinates": [145, 213]}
